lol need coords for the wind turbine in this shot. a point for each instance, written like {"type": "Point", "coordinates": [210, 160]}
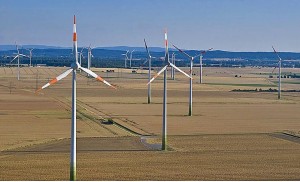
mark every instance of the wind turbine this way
{"type": "Point", "coordinates": [279, 73]}
{"type": "Point", "coordinates": [191, 81]}
{"type": "Point", "coordinates": [149, 73]}
{"type": "Point", "coordinates": [201, 70]}
{"type": "Point", "coordinates": [74, 67]}
{"type": "Point", "coordinates": [126, 58]}
{"type": "Point", "coordinates": [130, 58]}
{"type": "Point", "coordinates": [90, 55]}
{"type": "Point", "coordinates": [164, 69]}
{"type": "Point", "coordinates": [18, 56]}
{"type": "Point", "coordinates": [30, 55]}
{"type": "Point", "coordinates": [81, 55]}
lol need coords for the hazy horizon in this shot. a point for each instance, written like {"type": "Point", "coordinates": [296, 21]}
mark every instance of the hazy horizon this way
{"type": "Point", "coordinates": [27, 46]}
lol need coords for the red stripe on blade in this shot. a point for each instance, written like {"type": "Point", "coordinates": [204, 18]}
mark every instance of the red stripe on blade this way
{"type": "Point", "coordinates": [53, 81]}
{"type": "Point", "coordinates": [100, 79]}
{"type": "Point", "coordinates": [38, 90]}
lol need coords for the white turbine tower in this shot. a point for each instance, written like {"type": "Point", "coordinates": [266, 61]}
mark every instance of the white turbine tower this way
{"type": "Point", "coordinates": [130, 58]}
{"type": "Point", "coordinates": [90, 55]}
{"type": "Point", "coordinates": [30, 55]}
{"type": "Point", "coordinates": [172, 69]}
{"type": "Point", "coordinates": [164, 69]}
{"type": "Point", "coordinates": [201, 70]}
{"type": "Point", "coordinates": [18, 56]}
{"type": "Point", "coordinates": [279, 73]}
{"type": "Point", "coordinates": [81, 55]}
{"type": "Point", "coordinates": [74, 67]}
{"type": "Point", "coordinates": [126, 58]}
{"type": "Point", "coordinates": [191, 81]}
{"type": "Point", "coordinates": [149, 73]}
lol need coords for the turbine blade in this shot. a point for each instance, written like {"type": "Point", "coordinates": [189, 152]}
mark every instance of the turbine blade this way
{"type": "Point", "coordinates": [274, 69]}
{"type": "Point", "coordinates": [127, 52]}
{"type": "Point", "coordinates": [30, 49]}
{"type": "Point", "coordinates": [147, 53]}
{"type": "Point", "coordinates": [166, 47]}
{"type": "Point", "coordinates": [14, 58]}
{"type": "Point", "coordinates": [197, 56]}
{"type": "Point", "coordinates": [180, 70]}
{"type": "Point", "coordinates": [145, 62]}
{"type": "Point", "coordinates": [82, 50]}
{"type": "Point", "coordinates": [182, 51]}
{"type": "Point", "coordinates": [158, 73]}
{"type": "Point", "coordinates": [96, 76]}
{"type": "Point", "coordinates": [205, 51]}
{"type": "Point", "coordinates": [276, 53]}
{"type": "Point", "coordinates": [147, 49]}
{"type": "Point", "coordinates": [23, 55]}
{"type": "Point", "coordinates": [75, 41]}
{"type": "Point", "coordinates": [54, 80]}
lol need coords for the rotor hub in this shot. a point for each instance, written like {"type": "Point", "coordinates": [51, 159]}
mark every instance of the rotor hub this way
{"type": "Point", "coordinates": [75, 66]}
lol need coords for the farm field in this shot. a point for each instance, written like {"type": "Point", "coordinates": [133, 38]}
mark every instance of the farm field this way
{"type": "Point", "coordinates": [231, 135]}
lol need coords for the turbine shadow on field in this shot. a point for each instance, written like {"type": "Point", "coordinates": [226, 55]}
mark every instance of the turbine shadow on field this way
{"type": "Point", "coordinates": [87, 144]}
{"type": "Point", "coordinates": [68, 151]}
{"type": "Point", "coordinates": [156, 115]}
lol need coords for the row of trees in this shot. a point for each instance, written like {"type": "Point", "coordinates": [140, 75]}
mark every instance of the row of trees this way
{"type": "Point", "coordinates": [119, 62]}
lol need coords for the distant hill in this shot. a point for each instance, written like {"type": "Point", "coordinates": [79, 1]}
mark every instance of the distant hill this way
{"type": "Point", "coordinates": [115, 53]}
{"type": "Point", "coordinates": [114, 48]}
{"type": "Point", "coordinates": [113, 56]}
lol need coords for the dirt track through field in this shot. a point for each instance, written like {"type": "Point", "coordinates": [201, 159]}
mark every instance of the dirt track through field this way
{"type": "Point", "coordinates": [287, 136]}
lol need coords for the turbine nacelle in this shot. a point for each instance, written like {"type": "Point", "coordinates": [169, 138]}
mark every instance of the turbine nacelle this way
{"type": "Point", "coordinates": [75, 66]}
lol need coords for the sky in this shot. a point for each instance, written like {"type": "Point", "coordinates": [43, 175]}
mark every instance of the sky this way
{"type": "Point", "coordinates": [232, 25]}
